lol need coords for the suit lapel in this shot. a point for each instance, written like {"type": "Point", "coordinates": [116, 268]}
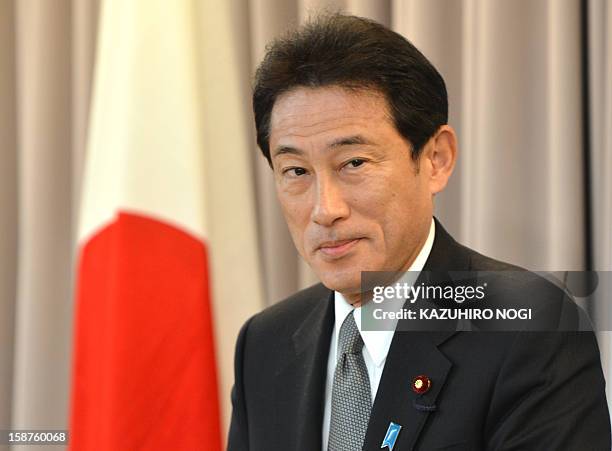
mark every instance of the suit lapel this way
{"type": "Point", "coordinates": [307, 371]}
{"type": "Point", "coordinates": [413, 354]}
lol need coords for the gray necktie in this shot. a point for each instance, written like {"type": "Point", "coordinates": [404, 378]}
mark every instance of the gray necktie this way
{"type": "Point", "coordinates": [351, 397]}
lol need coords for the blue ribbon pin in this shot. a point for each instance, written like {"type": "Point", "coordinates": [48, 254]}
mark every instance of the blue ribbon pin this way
{"type": "Point", "coordinates": [391, 436]}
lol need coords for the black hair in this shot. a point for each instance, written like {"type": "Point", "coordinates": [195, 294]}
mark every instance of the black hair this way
{"type": "Point", "coordinates": [354, 53]}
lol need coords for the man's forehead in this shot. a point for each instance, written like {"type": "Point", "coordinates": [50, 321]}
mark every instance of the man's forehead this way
{"type": "Point", "coordinates": [304, 110]}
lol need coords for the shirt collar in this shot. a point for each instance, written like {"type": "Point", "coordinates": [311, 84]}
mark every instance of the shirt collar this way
{"type": "Point", "coordinates": [377, 343]}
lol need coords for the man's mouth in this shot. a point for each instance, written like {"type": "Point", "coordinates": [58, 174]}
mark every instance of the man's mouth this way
{"type": "Point", "coordinates": [336, 249]}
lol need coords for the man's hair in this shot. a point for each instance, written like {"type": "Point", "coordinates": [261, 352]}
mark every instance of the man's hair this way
{"type": "Point", "coordinates": [356, 54]}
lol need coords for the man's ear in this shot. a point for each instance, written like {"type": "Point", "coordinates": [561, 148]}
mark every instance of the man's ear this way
{"type": "Point", "coordinates": [442, 155]}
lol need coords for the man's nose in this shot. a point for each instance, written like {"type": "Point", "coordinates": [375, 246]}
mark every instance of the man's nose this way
{"type": "Point", "coordinates": [329, 204]}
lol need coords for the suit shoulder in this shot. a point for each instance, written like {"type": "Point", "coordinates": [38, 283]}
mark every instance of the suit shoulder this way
{"type": "Point", "coordinates": [285, 316]}
{"type": "Point", "coordinates": [553, 305]}
{"type": "Point", "coordinates": [513, 275]}
{"type": "Point", "coordinates": [480, 262]}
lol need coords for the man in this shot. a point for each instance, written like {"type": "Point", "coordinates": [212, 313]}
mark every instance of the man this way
{"type": "Point", "coordinates": [353, 122]}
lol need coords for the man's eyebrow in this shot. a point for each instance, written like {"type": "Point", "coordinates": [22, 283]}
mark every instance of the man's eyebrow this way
{"type": "Point", "coordinates": [286, 150]}
{"type": "Point", "coordinates": [349, 141]}
{"type": "Point", "coordinates": [344, 141]}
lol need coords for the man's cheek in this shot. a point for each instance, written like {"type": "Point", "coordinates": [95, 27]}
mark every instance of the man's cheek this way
{"type": "Point", "coordinates": [376, 189]}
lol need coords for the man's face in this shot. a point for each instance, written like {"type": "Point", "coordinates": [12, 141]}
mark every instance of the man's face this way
{"type": "Point", "coordinates": [349, 190]}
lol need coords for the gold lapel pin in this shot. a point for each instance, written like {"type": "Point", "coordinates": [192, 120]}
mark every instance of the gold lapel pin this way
{"type": "Point", "coordinates": [421, 384]}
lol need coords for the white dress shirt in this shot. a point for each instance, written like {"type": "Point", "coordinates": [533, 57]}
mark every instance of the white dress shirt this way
{"type": "Point", "coordinates": [376, 343]}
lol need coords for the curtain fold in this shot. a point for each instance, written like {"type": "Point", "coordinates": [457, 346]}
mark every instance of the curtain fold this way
{"type": "Point", "coordinates": [279, 259]}
{"type": "Point", "coordinates": [43, 321]}
{"type": "Point", "coordinates": [599, 37]}
{"type": "Point", "coordinates": [9, 208]}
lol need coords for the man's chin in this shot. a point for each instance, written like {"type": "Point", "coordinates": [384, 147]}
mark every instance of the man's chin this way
{"type": "Point", "coordinates": [342, 283]}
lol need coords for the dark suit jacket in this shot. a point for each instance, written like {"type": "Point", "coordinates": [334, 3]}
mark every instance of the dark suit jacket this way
{"type": "Point", "coordinates": [490, 390]}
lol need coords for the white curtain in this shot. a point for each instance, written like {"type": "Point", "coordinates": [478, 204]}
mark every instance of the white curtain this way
{"type": "Point", "coordinates": [514, 73]}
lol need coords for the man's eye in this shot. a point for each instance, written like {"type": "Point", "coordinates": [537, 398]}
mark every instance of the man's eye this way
{"type": "Point", "coordinates": [294, 171]}
{"type": "Point", "coordinates": [356, 162]}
